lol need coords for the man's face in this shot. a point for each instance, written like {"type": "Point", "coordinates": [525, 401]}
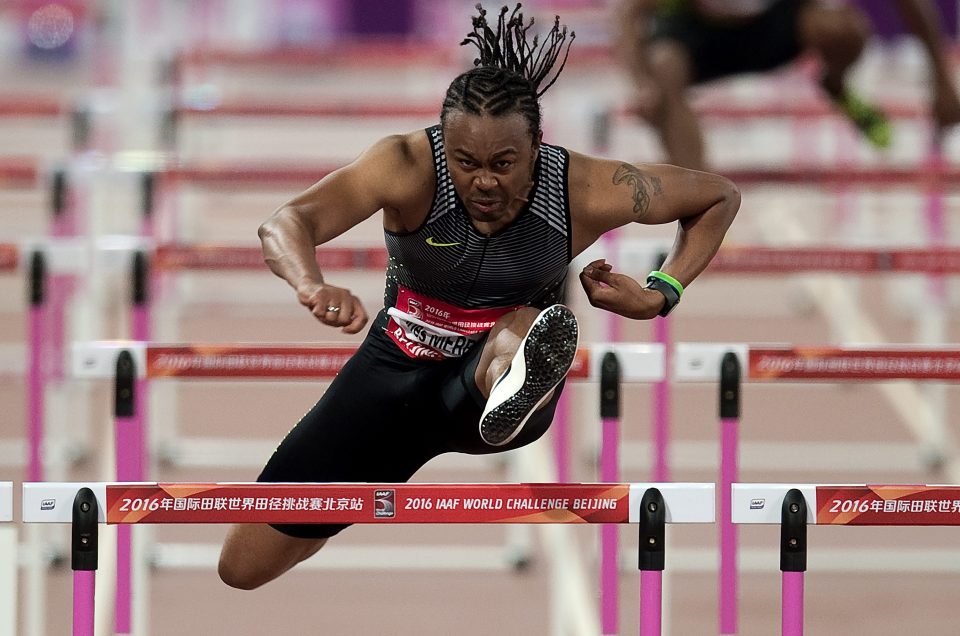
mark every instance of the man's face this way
{"type": "Point", "coordinates": [491, 161]}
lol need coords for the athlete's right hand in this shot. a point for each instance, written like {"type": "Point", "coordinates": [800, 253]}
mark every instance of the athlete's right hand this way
{"type": "Point", "coordinates": [334, 306]}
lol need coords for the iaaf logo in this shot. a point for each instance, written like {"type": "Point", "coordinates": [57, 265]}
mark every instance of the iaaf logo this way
{"type": "Point", "coordinates": [414, 308]}
{"type": "Point", "coordinates": [48, 504]}
{"type": "Point", "coordinates": [384, 504]}
{"type": "Point", "coordinates": [757, 504]}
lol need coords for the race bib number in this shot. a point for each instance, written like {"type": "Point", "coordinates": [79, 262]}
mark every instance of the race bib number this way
{"type": "Point", "coordinates": [431, 329]}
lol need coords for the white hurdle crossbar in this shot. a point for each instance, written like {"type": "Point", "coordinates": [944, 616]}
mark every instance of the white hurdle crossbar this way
{"type": "Point", "coordinates": [651, 506]}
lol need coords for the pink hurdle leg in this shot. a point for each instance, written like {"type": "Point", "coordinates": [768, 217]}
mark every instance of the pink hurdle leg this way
{"type": "Point", "coordinates": [661, 407]}
{"type": "Point", "coordinates": [651, 602]}
{"type": "Point", "coordinates": [84, 591]}
{"type": "Point", "coordinates": [609, 539]}
{"type": "Point", "coordinates": [792, 604]}
{"type": "Point", "coordinates": [728, 531]}
{"type": "Point", "coordinates": [61, 288]}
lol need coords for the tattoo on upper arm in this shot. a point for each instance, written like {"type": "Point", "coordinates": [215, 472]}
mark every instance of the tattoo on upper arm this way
{"type": "Point", "coordinates": [641, 183]}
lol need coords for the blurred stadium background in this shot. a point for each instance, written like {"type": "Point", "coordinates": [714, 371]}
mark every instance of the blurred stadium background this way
{"type": "Point", "coordinates": [129, 124]}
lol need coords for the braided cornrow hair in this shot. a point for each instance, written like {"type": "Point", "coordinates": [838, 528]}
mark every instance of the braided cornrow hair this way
{"type": "Point", "coordinates": [508, 75]}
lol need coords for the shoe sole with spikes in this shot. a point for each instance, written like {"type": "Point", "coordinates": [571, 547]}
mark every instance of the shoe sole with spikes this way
{"type": "Point", "coordinates": [542, 361]}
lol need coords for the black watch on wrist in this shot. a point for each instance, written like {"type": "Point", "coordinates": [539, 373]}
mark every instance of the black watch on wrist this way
{"type": "Point", "coordinates": [668, 292]}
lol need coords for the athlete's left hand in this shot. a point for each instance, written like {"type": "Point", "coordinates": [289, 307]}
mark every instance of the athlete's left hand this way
{"type": "Point", "coordinates": [618, 292]}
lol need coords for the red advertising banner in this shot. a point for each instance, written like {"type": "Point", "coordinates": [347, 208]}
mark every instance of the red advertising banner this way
{"type": "Point", "coordinates": [270, 361]}
{"type": "Point", "coordinates": [888, 505]}
{"type": "Point", "coordinates": [318, 109]}
{"type": "Point", "coordinates": [9, 256]}
{"type": "Point", "coordinates": [179, 257]}
{"type": "Point", "coordinates": [247, 174]}
{"type": "Point", "coordinates": [931, 261]}
{"type": "Point", "coordinates": [775, 260]}
{"type": "Point", "coordinates": [246, 361]}
{"type": "Point", "coordinates": [219, 257]}
{"type": "Point", "coordinates": [16, 172]}
{"type": "Point", "coordinates": [812, 363]}
{"type": "Point", "coordinates": [771, 260]}
{"type": "Point", "coordinates": [30, 106]}
{"type": "Point", "coordinates": [368, 503]}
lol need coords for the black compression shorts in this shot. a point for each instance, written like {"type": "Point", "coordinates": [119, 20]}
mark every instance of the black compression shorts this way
{"type": "Point", "coordinates": [383, 417]}
{"type": "Point", "coordinates": [719, 49]}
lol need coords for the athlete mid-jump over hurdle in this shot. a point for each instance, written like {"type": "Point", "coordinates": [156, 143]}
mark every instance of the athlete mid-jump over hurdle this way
{"type": "Point", "coordinates": [481, 220]}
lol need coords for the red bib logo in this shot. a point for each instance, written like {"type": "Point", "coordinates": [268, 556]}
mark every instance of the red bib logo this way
{"type": "Point", "coordinates": [431, 329]}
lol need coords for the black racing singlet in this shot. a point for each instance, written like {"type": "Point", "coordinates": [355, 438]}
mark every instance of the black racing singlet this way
{"type": "Point", "coordinates": [447, 283]}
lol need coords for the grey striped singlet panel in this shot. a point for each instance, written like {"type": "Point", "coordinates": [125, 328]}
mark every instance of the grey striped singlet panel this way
{"type": "Point", "coordinates": [523, 264]}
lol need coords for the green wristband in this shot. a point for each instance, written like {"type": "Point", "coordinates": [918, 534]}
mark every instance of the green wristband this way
{"type": "Point", "coordinates": [668, 279]}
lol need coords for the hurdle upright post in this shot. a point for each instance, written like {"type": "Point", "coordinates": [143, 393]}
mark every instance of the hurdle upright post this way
{"type": "Point", "coordinates": [129, 458]}
{"type": "Point", "coordinates": [729, 423]}
{"type": "Point", "coordinates": [83, 560]}
{"type": "Point", "coordinates": [36, 370]}
{"type": "Point", "coordinates": [59, 203]}
{"type": "Point", "coordinates": [140, 297]}
{"type": "Point", "coordinates": [793, 561]}
{"type": "Point", "coordinates": [148, 187]}
{"type": "Point", "coordinates": [609, 471]}
{"type": "Point", "coordinates": [81, 127]}
{"type": "Point", "coordinates": [653, 537]}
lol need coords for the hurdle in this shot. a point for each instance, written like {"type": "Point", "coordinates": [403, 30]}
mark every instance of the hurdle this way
{"type": "Point", "coordinates": [651, 506]}
{"type": "Point", "coordinates": [733, 363]}
{"type": "Point", "coordinates": [43, 262]}
{"type": "Point", "coordinates": [794, 507]}
{"type": "Point", "coordinates": [699, 362]}
{"type": "Point", "coordinates": [8, 562]}
{"type": "Point", "coordinates": [129, 363]}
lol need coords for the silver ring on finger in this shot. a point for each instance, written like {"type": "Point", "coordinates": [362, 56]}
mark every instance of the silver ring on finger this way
{"type": "Point", "coordinates": [333, 309]}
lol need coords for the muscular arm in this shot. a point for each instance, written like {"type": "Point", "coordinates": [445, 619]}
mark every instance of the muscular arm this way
{"type": "Point", "coordinates": [609, 194]}
{"type": "Point", "coordinates": [387, 176]}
